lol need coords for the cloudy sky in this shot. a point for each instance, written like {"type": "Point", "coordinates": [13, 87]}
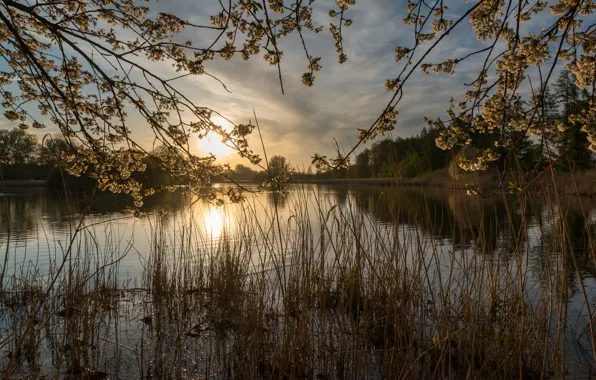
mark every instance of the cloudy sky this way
{"type": "Point", "coordinates": [308, 120]}
{"type": "Point", "coordinates": [345, 97]}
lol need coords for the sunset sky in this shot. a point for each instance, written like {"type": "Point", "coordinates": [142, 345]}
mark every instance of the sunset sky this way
{"type": "Point", "coordinates": [345, 97]}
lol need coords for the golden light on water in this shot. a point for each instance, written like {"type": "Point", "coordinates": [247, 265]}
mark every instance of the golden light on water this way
{"type": "Point", "coordinates": [212, 143]}
{"type": "Point", "coordinates": [214, 220]}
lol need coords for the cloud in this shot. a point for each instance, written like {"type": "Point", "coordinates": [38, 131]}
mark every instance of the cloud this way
{"type": "Point", "coordinates": [345, 97]}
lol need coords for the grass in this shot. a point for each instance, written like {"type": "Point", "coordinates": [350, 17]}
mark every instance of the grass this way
{"type": "Point", "coordinates": [315, 290]}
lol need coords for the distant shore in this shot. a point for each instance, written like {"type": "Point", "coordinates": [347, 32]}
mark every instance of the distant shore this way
{"type": "Point", "coordinates": [23, 183]}
{"type": "Point", "coordinates": [370, 181]}
{"type": "Point", "coordinates": [580, 183]}
{"type": "Point", "coordinates": [437, 179]}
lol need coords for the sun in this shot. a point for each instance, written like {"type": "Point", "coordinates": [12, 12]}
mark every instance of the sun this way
{"type": "Point", "coordinates": [212, 143]}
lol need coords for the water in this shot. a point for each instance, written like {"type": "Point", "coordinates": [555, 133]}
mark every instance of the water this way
{"type": "Point", "coordinates": [37, 227]}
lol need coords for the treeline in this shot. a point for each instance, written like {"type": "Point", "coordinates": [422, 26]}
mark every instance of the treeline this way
{"type": "Point", "coordinates": [389, 158]}
{"type": "Point", "coordinates": [278, 167]}
{"type": "Point", "coordinates": [23, 157]}
{"type": "Point", "coordinates": [402, 157]}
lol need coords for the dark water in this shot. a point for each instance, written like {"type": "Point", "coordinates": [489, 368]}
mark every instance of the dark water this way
{"type": "Point", "coordinates": [37, 227]}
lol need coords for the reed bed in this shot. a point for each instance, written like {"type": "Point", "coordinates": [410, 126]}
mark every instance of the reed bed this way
{"type": "Point", "coordinates": [318, 291]}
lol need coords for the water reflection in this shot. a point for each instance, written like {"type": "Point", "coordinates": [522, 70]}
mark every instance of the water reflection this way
{"type": "Point", "coordinates": [341, 194]}
{"type": "Point", "coordinates": [500, 225]}
{"type": "Point", "coordinates": [566, 235]}
{"type": "Point", "coordinates": [461, 219]}
{"type": "Point", "coordinates": [42, 222]}
{"type": "Point", "coordinates": [18, 214]}
{"type": "Point", "coordinates": [503, 224]}
{"type": "Point", "coordinates": [524, 235]}
{"type": "Point", "coordinates": [277, 199]}
{"type": "Point", "coordinates": [214, 222]}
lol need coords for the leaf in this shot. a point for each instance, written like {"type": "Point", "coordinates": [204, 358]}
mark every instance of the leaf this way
{"type": "Point", "coordinates": [329, 213]}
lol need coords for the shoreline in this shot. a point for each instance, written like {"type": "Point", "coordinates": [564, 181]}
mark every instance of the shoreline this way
{"type": "Point", "coordinates": [23, 183]}
{"type": "Point", "coordinates": [581, 183]}
{"type": "Point", "coordinates": [371, 181]}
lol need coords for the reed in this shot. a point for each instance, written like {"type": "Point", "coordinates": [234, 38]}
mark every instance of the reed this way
{"type": "Point", "coordinates": [317, 290]}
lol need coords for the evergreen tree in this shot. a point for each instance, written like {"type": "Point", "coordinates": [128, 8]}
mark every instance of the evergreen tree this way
{"type": "Point", "coordinates": [362, 166]}
{"type": "Point", "coordinates": [526, 155]}
{"type": "Point", "coordinates": [549, 112]}
{"type": "Point", "coordinates": [548, 116]}
{"type": "Point", "coordinates": [571, 142]}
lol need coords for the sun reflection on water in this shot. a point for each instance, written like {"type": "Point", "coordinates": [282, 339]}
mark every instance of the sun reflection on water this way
{"type": "Point", "coordinates": [214, 219]}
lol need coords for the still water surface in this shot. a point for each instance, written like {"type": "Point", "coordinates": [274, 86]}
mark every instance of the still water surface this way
{"type": "Point", "coordinates": [37, 227]}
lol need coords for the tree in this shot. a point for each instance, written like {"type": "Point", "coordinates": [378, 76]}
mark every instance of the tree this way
{"type": "Point", "coordinates": [411, 166]}
{"type": "Point", "coordinates": [17, 147]}
{"type": "Point", "coordinates": [548, 115]}
{"type": "Point", "coordinates": [383, 155]}
{"type": "Point", "coordinates": [85, 66]}
{"type": "Point", "coordinates": [572, 142]}
{"type": "Point", "coordinates": [526, 154]}
{"type": "Point", "coordinates": [279, 167]}
{"type": "Point", "coordinates": [242, 173]}
{"type": "Point", "coordinates": [363, 164]}
{"type": "Point", "coordinates": [51, 150]}
{"type": "Point", "coordinates": [435, 158]}
{"type": "Point", "coordinates": [384, 170]}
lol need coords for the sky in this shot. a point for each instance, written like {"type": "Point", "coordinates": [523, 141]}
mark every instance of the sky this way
{"type": "Point", "coordinates": [308, 120]}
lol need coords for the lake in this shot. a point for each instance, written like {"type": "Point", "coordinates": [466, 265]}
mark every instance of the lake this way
{"type": "Point", "coordinates": [451, 250]}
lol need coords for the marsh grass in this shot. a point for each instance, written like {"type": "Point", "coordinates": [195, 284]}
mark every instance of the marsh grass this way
{"type": "Point", "coordinates": [324, 291]}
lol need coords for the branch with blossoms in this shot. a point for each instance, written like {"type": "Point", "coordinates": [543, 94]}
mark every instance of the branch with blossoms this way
{"type": "Point", "coordinates": [496, 102]}
{"type": "Point", "coordinates": [85, 67]}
